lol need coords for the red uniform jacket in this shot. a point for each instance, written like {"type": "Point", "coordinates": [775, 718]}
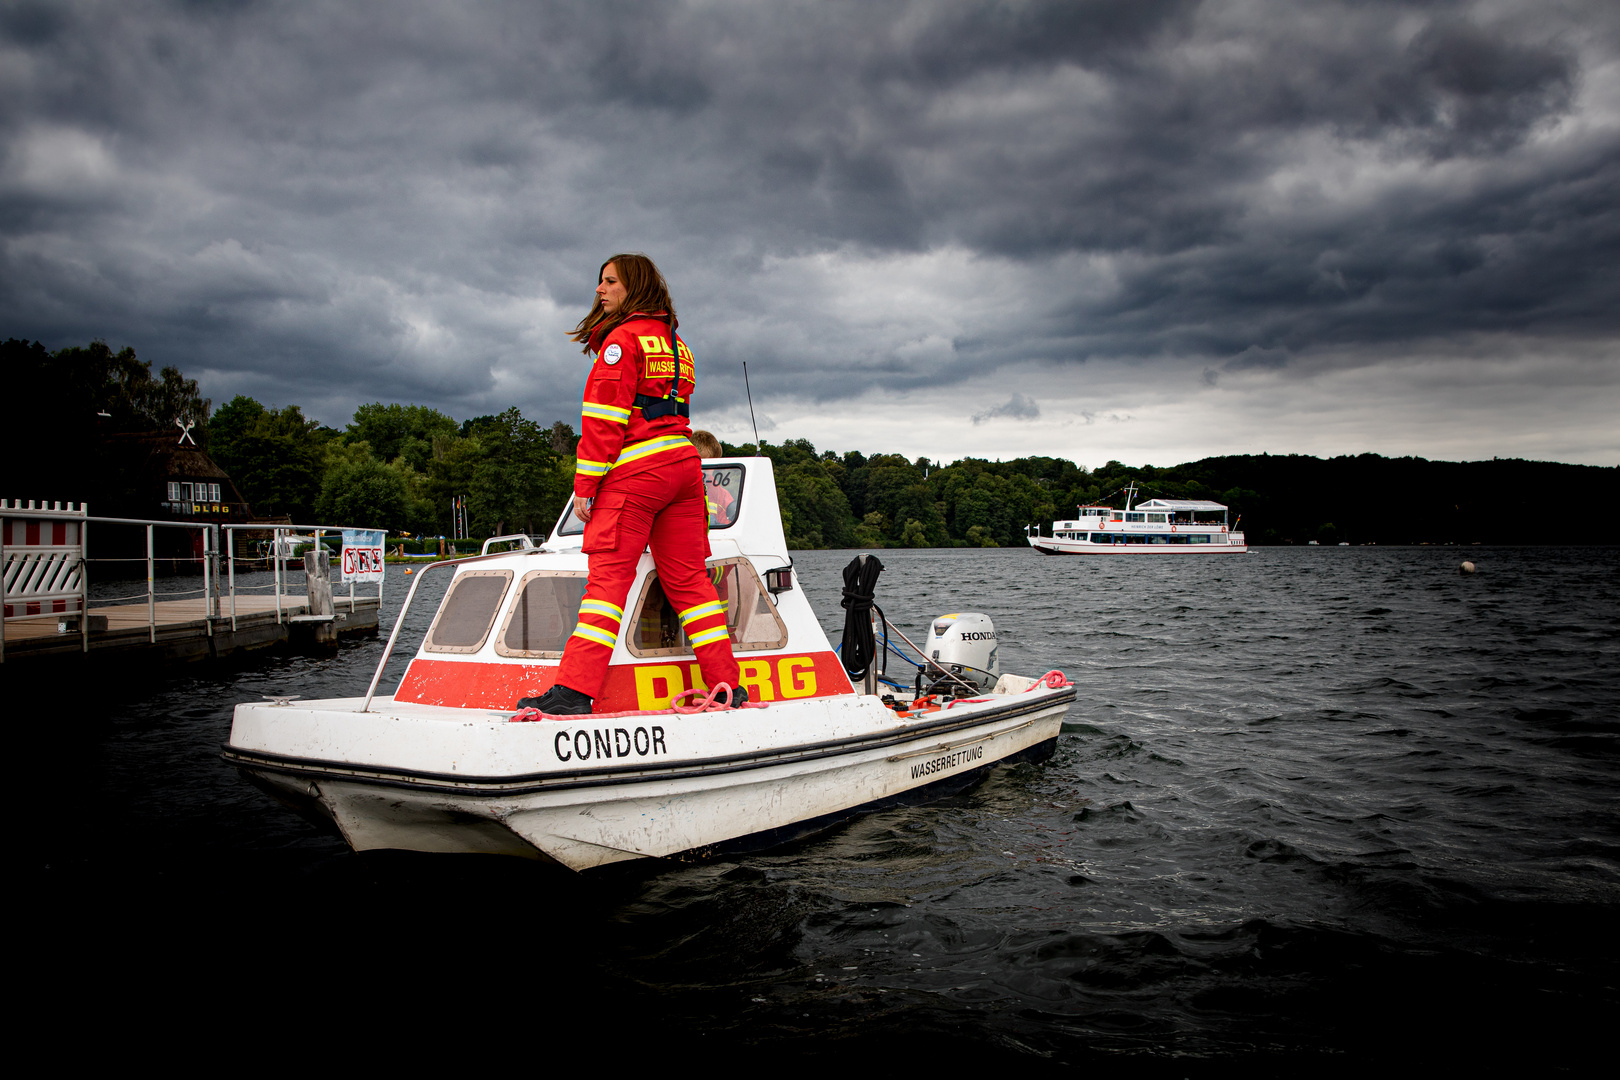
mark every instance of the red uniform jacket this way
{"type": "Point", "coordinates": [614, 437]}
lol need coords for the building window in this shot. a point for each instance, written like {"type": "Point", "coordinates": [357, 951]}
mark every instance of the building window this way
{"type": "Point", "coordinates": [174, 491]}
{"type": "Point", "coordinates": [213, 493]}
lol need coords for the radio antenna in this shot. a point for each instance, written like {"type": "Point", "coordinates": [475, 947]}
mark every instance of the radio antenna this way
{"type": "Point", "coordinates": [758, 449]}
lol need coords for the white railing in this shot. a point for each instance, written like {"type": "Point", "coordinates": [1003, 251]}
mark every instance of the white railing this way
{"type": "Point", "coordinates": [36, 574]}
{"type": "Point", "coordinates": [283, 540]}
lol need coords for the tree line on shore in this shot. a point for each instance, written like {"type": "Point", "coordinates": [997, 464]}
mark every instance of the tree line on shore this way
{"type": "Point", "coordinates": [398, 467]}
{"type": "Point", "coordinates": [851, 500]}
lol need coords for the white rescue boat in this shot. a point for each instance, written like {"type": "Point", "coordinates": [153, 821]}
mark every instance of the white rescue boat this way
{"type": "Point", "coordinates": [444, 765]}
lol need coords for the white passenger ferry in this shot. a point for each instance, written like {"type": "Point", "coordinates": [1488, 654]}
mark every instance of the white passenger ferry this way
{"type": "Point", "coordinates": [1156, 527]}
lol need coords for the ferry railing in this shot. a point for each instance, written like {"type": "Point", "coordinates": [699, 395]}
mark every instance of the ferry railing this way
{"type": "Point", "coordinates": [43, 574]}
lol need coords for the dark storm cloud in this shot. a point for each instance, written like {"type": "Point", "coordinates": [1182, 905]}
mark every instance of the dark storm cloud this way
{"type": "Point", "coordinates": [332, 203]}
{"type": "Point", "coordinates": [1017, 407]}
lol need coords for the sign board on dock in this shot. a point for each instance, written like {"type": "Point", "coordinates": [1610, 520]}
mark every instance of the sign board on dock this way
{"type": "Point", "coordinates": [362, 555]}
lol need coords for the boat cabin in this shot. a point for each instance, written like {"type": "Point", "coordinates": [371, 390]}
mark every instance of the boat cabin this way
{"type": "Point", "coordinates": [500, 631]}
{"type": "Point", "coordinates": [1180, 512]}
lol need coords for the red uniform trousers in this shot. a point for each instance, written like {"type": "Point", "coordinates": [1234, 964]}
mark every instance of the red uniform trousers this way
{"type": "Point", "coordinates": [664, 505]}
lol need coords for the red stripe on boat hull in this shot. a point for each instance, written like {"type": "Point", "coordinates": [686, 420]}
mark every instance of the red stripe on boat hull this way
{"type": "Point", "coordinates": [474, 684]}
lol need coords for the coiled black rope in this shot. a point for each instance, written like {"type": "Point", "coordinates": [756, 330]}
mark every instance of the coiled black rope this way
{"type": "Point", "coordinates": [859, 647]}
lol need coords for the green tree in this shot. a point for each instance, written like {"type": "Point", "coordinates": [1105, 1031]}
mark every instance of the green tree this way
{"type": "Point", "coordinates": [872, 532]}
{"type": "Point", "coordinates": [361, 491]}
{"type": "Point", "coordinates": [979, 536]}
{"type": "Point", "coordinates": [513, 478]}
{"type": "Point", "coordinates": [395, 431]}
{"type": "Point", "coordinates": [896, 489]}
{"type": "Point", "coordinates": [276, 456]}
{"type": "Point", "coordinates": [821, 516]}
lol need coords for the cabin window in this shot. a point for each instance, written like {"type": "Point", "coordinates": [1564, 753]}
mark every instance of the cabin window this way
{"type": "Point", "coordinates": [722, 486]}
{"type": "Point", "coordinates": [751, 615]}
{"type": "Point", "coordinates": [1136, 517]}
{"type": "Point", "coordinates": [1198, 538]}
{"type": "Point", "coordinates": [569, 524]}
{"type": "Point", "coordinates": [1102, 538]}
{"type": "Point", "coordinates": [1156, 519]}
{"type": "Point", "coordinates": [468, 611]}
{"type": "Point", "coordinates": [545, 614]}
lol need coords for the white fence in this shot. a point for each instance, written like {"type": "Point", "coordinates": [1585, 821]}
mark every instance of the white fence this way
{"type": "Point", "coordinates": [43, 565]}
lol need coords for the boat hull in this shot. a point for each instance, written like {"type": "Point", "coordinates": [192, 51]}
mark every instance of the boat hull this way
{"type": "Point", "coordinates": [1054, 546]}
{"type": "Point", "coordinates": [680, 809]}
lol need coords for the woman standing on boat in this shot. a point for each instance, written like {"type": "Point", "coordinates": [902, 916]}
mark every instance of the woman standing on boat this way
{"type": "Point", "coordinates": [638, 481]}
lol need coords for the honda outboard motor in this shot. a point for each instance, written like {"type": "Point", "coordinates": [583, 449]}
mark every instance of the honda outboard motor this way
{"type": "Point", "coordinates": [963, 645]}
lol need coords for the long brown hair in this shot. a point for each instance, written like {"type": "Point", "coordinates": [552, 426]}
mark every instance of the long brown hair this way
{"type": "Point", "coordinates": [645, 290]}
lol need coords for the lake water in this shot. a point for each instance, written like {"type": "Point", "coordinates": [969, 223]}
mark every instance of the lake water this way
{"type": "Point", "coordinates": [1314, 809]}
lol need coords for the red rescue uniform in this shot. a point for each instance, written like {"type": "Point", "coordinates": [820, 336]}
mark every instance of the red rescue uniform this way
{"type": "Point", "coordinates": [648, 487]}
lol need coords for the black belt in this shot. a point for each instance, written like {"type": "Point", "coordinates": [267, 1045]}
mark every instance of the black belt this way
{"type": "Point", "coordinates": [654, 407]}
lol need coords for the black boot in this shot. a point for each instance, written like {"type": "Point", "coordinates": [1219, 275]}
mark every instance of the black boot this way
{"type": "Point", "coordinates": [739, 696]}
{"type": "Point", "coordinates": [558, 701]}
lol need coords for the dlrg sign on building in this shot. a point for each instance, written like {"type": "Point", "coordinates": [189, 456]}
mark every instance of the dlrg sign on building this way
{"type": "Point", "coordinates": [362, 555]}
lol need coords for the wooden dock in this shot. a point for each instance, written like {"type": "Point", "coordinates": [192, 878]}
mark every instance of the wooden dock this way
{"type": "Point", "coordinates": [183, 630]}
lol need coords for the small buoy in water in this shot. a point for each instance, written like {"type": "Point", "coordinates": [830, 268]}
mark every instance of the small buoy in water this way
{"type": "Point", "coordinates": [1465, 568]}
{"type": "Point", "coordinates": [408, 569]}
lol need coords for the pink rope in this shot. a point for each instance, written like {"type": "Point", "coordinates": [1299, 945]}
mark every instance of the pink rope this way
{"type": "Point", "coordinates": [1052, 680]}
{"type": "Point", "coordinates": [708, 704]}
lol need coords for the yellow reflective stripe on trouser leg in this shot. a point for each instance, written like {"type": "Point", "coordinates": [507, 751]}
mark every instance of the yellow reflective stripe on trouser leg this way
{"type": "Point", "coordinates": [693, 614]}
{"type": "Point", "coordinates": [596, 634]}
{"type": "Point", "coordinates": [601, 608]}
{"type": "Point", "coordinates": [706, 637]}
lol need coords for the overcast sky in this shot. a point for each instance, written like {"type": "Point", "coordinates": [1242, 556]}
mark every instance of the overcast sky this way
{"type": "Point", "coordinates": [1148, 230]}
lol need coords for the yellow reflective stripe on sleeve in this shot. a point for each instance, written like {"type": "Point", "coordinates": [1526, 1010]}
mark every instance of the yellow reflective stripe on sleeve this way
{"type": "Point", "coordinates": [693, 614]}
{"type": "Point", "coordinates": [602, 608]}
{"type": "Point", "coordinates": [596, 634]}
{"type": "Point", "coordinates": [706, 637]}
{"type": "Point", "coordinates": [592, 468]}
{"type": "Point", "coordinates": [636, 451]}
{"type": "Point", "coordinates": [610, 413]}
